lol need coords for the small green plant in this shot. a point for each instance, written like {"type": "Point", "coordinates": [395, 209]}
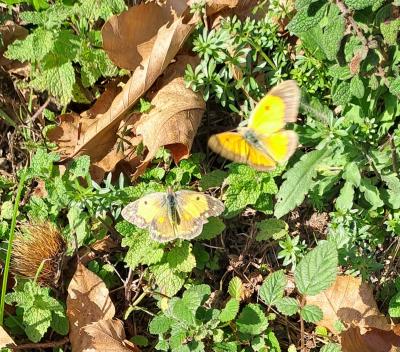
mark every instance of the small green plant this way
{"type": "Point", "coordinates": [37, 310]}
{"type": "Point", "coordinates": [64, 48]}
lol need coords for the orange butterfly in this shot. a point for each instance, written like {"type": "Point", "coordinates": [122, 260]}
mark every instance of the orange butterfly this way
{"type": "Point", "coordinates": [264, 143]}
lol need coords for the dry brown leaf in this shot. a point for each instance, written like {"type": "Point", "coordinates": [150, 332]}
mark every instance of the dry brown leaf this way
{"type": "Point", "coordinates": [10, 32]}
{"type": "Point", "coordinates": [109, 336]}
{"type": "Point", "coordinates": [5, 340]}
{"type": "Point", "coordinates": [88, 301]}
{"type": "Point", "coordinates": [175, 116]}
{"type": "Point", "coordinates": [374, 340]}
{"type": "Point", "coordinates": [129, 37]}
{"type": "Point", "coordinates": [350, 301]}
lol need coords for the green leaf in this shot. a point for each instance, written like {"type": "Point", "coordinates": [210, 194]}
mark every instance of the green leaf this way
{"type": "Point", "coordinates": [311, 313]}
{"type": "Point", "coordinates": [177, 339]}
{"type": "Point", "coordinates": [331, 347]}
{"type": "Point", "coordinates": [346, 197]}
{"type": "Point", "coordinates": [230, 311]}
{"type": "Point", "coordinates": [288, 306]}
{"type": "Point", "coordinates": [273, 288]}
{"type": "Point", "coordinates": [352, 174]}
{"type": "Point", "coordinates": [271, 228]}
{"type": "Point", "coordinates": [58, 81]}
{"type": "Point", "coordinates": [394, 85]}
{"type": "Point", "coordinates": [298, 181]}
{"type": "Point", "coordinates": [168, 280]}
{"type": "Point", "coordinates": [142, 249]}
{"type": "Point", "coordinates": [341, 94]}
{"type": "Point", "coordinates": [183, 313]}
{"type": "Point", "coordinates": [79, 167]}
{"type": "Point", "coordinates": [6, 210]}
{"type": "Point", "coordinates": [371, 193]}
{"type": "Point", "coordinates": [33, 48]}
{"type": "Point", "coordinates": [357, 87]}
{"type": "Point", "coordinates": [317, 270]}
{"type": "Point", "coordinates": [213, 179]}
{"type": "Point", "coordinates": [333, 33]}
{"type": "Point", "coordinates": [160, 324]}
{"type": "Point", "coordinates": [359, 4]}
{"type": "Point", "coordinates": [339, 72]}
{"type": "Point", "coordinates": [42, 164]}
{"type": "Point", "coordinates": [307, 17]}
{"type": "Point", "coordinates": [393, 184]}
{"type": "Point", "coordinates": [36, 321]}
{"type": "Point", "coordinates": [245, 187]}
{"type": "Point", "coordinates": [59, 322]}
{"type": "Point", "coordinates": [235, 288]}
{"type": "Point", "coordinates": [181, 259]}
{"type": "Point", "coordinates": [394, 306]}
{"type": "Point", "coordinates": [390, 31]}
{"type": "Point", "coordinates": [53, 17]}
{"type": "Point", "coordinates": [211, 229]}
{"type": "Point", "coordinates": [225, 347]}
{"type": "Point", "coordinates": [272, 342]}
{"type": "Point", "coordinates": [195, 296]}
{"type": "Point", "coordinates": [252, 320]}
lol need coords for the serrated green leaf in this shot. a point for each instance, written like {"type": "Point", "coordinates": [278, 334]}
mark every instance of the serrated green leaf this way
{"type": "Point", "coordinates": [333, 32]}
{"type": "Point", "coordinates": [168, 280]}
{"type": "Point", "coordinates": [346, 197]}
{"type": "Point", "coordinates": [214, 178]}
{"type": "Point", "coordinates": [307, 17]}
{"type": "Point", "coordinates": [160, 324]}
{"type": "Point", "coordinates": [42, 164]}
{"type": "Point", "coordinates": [33, 48]}
{"type": "Point", "coordinates": [58, 81]}
{"type": "Point", "coordinates": [183, 313]}
{"type": "Point", "coordinates": [230, 311]}
{"type": "Point", "coordinates": [371, 193]}
{"type": "Point", "coordinates": [181, 259]}
{"type": "Point", "coordinates": [225, 347]}
{"type": "Point", "coordinates": [59, 322]}
{"type": "Point", "coordinates": [245, 187]}
{"type": "Point", "coordinates": [394, 85]}
{"type": "Point", "coordinates": [341, 94]}
{"type": "Point", "coordinates": [393, 184]}
{"type": "Point", "coordinates": [352, 174]}
{"type": "Point", "coordinates": [317, 270]}
{"type": "Point", "coordinates": [357, 87]}
{"type": "Point", "coordinates": [359, 4]}
{"type": "Point", "coordinates": [390, 31]}
{"type": "Point", "coordinates": [298, 181]}
{"type": "Point", "coordinates": [252, 320]}
{"type": "Point", "coordinates": [142, 249]}
{"type": "Point", "coordinates": [79, 167]}
{"type": "Point", "coordinates": [273, 288]}
{"type": "Point", "coordinates": [53, 17]}
{"type": "Point", "coordinates": [211, 229]}
{"type": "Point", "coordinates": [288, 306]}
{"type": "Point", "coordinates": [195, 296]}
{"type": "Point", "coordinates": [36, 321]}
{"type": "Point", "coordinates": [331, 347]}
{"type": "Point", "coordinates": [271, 228]}
{"type": "Point", "coordinates": [311, 313]}
{"type": "Point", "coordinates": [339, 72]}
{"type": "Point", "coordinates": [235, 288]}
{"type": "Point", "coordinates": [177, 338]}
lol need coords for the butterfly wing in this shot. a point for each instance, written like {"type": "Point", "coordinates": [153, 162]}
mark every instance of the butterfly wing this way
{"type": "Point", "coordinates": [281, 145]}
{"type": "Point", "coordinates": [230, 145]}
{"type": "Point", "coordinates": [141, 212]}
{"type": "Point", "coordinates": [278, 107]}
{"type": "Point", "coordinates": [194, 208]}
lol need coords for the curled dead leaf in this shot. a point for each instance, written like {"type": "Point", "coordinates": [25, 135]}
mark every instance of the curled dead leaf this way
{"type": "Point", "coordinates": [352, 302]}
{"type": "Point", "coordinates": [175, 116]}
{"type": "Point", "coordinates": [108, 336]}
{"type": "Point", "coordinates": [88, 301]}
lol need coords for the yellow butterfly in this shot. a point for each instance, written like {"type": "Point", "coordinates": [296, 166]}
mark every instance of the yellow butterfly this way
{"type": "Point", "coordinates": [264, 143]}
{"type": "Point", "coordinates": [171, 215]}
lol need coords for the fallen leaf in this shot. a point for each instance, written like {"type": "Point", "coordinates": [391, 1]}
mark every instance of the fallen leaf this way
{"type": "Point", "coordinates": [352, 302]}
{"type": "Point", "coordinates": [10, 32]}
{"type": "Point", "coordinates": [109, 335]}
{"type": "Point", "coordinates": [374, 340]}
{"type": "Point", "coordinates": [5, 340]}
{"type": "Point", "coordinates": [175, 116]}
{"type": "Point", "coordinates": [88, 301]}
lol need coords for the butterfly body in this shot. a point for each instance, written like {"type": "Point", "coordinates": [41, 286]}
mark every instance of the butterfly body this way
{"type": "Point", "coordinates": [171, 215]}
{"type": "Point", "coordinates": [264, 143]}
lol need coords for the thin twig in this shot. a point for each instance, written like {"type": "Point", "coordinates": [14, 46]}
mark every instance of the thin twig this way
{"type": "Point", "coordinates": [36, 346]}
{"type": "Point", "coordinates": [40, 110]}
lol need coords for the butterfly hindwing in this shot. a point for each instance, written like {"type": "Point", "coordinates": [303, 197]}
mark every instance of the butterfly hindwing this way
{"type": "Point", "coordinates": [281, 145]}
{"type": "Point", "coordinates": [278, 107]}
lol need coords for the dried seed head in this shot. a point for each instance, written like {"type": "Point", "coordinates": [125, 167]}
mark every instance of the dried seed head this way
{"type": "Point", "coordinates": [38, 246]}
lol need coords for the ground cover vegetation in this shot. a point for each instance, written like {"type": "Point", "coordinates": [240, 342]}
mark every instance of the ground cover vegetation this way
{"type": "Point", "coordinates": [103, 102]}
